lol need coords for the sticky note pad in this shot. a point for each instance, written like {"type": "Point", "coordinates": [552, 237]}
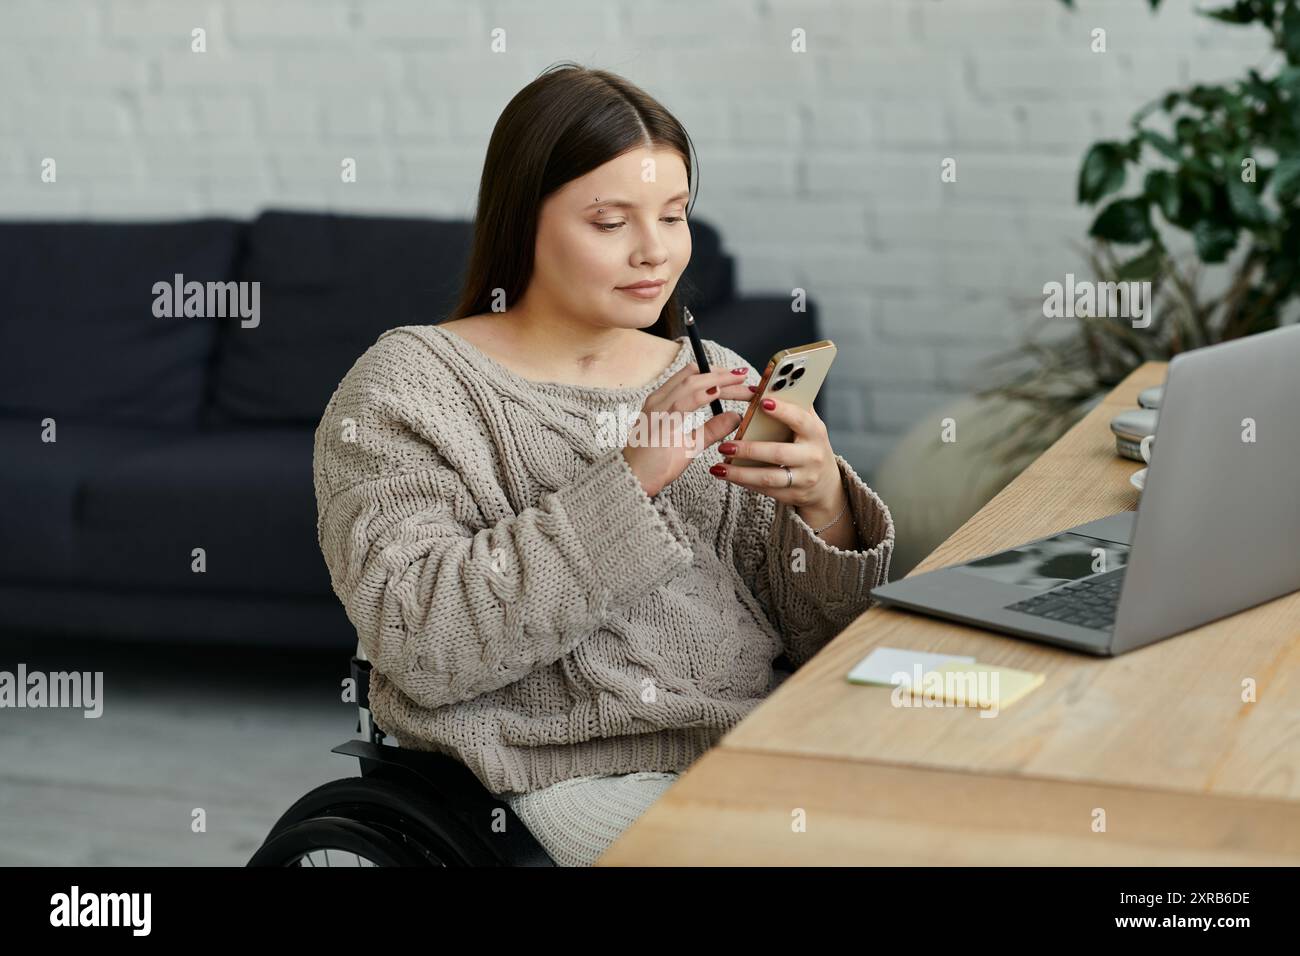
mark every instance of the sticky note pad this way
{"type": "Point", "coordinates": [978, 685]}
{"type": "Point", "coordinates": [890, 666]}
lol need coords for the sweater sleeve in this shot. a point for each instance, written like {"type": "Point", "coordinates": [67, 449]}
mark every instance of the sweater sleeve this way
{"type": "Point", "coordinates": [810, 589]}
{"type": "Point", "coordinates": [449, 607]}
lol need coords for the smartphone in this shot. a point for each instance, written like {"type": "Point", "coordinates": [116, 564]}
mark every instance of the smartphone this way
{"type": "Point", "coordinates": [793, 375]}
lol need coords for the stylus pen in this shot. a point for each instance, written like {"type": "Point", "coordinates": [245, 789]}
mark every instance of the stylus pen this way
{"type": "Point", "coordinates": [693, 331]}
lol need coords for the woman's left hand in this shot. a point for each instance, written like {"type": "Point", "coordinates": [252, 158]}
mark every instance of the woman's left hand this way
{"type": "Point", "coordinates": [817, 488]}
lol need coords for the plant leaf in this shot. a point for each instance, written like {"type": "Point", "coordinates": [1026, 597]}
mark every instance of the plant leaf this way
{"type": "Point", "coordinates": [1214, 240]}
{"type": "Point", "coordinates": [1143, 266]}
{"type": "Point", "coordinates": [1243, 197]}
{"type": "Point", "coordinates": [1239, 12]}
{"type": "Point", "coordinates": [1289, 78]}
{"type": "Point", "coordinates": [1185, 129]}
{"type": "Point", "coordinates": [1291, 33]}
{"type": "Point", "coordinates": [1123, 221]}
{"type": "Point", "coordinates": [1162, 144]}
{"type": "Point", "coordinates": [1102, 172]}
{"type": "Point", "coordinates": [1161, 188]}
{"type": "Point", "coordinates": [1286, 180]}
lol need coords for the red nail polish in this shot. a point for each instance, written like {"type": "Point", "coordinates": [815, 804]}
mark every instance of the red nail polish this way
{"type": "Point", "coordinates": [719, 470]}
{"type": "Point", "coordinates": [739, 371]}
{"type": "Point", "coordinates": [753, 388]}
{"type": "Point", "coordinates": [713, 390]}
{"type": "Point", "coordinates": [727, 448]}
{"type": "Point", "coordinates": [769, 404]}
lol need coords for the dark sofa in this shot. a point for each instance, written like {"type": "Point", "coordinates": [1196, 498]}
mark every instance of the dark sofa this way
{"type": "Point", "coordinates": [176, 433]}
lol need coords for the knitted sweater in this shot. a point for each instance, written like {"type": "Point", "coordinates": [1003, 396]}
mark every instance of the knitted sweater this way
{"type": "Point", "coordinates": [526, 607]}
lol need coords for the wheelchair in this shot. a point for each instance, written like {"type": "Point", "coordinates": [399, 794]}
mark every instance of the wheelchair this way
{"type": "Point", "coordinates": [407, 808]}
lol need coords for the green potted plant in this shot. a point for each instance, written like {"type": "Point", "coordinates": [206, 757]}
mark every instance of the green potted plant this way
{"type": "Point", "coordinates": [1224, 172]}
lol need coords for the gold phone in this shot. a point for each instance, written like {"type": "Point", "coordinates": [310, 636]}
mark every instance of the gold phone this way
{"type": "Point", "coordinates": [793, 375]}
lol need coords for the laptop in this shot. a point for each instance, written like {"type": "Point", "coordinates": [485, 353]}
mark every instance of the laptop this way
{"type": "Point", "coordinates": [1217, 528]}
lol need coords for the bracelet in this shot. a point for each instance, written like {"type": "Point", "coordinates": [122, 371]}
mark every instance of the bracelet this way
{"type": "Point", "coordinates": [836, 521]}
{"type": "Point", "coordinates": [838, 516]}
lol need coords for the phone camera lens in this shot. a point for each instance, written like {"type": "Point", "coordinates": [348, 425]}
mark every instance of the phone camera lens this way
{"type": "Point", "coordinates": [797, 373]}
{"type": "Point", "coordinates": [785, 369]}
{"type": "Point", "coordinates": [779, 385]}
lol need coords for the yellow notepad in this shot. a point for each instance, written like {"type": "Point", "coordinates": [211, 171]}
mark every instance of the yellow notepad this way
{"type": "Point", "coordinates": [977, 685]}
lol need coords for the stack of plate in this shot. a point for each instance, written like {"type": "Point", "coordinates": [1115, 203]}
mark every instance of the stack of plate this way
{"type": "Point", "coordinates": [1131, 426]}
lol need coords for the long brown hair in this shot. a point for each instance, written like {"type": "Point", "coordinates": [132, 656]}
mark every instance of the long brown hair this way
{"type": "Point", "coordinates": [560, 126]}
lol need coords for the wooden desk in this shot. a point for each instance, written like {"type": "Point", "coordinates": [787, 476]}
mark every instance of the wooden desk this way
{"type": "Point", "coordinates": [1159, 738]}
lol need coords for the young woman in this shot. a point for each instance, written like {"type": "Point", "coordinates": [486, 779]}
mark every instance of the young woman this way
{"type": "Point", "coordinates": [572, 611]}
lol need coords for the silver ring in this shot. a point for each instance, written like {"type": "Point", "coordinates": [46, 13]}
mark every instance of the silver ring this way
{"type": "Point", "coordinates": [789, 476]}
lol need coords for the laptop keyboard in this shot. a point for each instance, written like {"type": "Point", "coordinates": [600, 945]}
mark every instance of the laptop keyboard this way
{"type": "Point", "coordinates": [1088, 602]}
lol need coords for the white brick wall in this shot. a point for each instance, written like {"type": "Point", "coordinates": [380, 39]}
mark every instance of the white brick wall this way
{"type": "Point", "coordinates": [821, 169]}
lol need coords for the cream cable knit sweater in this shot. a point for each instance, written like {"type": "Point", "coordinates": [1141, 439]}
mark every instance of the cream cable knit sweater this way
{"type": "Point", "coordinates": [525, 606]}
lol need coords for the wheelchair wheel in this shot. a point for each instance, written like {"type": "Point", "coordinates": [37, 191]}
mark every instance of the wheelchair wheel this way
{"type": "Point", "coordinates": [360, 821]}
{"type": "Point", "coordinates": [336, 841]}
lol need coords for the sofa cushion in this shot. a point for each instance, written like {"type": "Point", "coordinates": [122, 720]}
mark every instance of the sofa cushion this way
{"type": "Point", "coordinates": [261, 621]}
{"type": "Point", "coordinates": [41, 484]}
{"type": "Point", "coordinates": [330, 286]}
{"type": "Point", "coordinates": [709, 281]}
{"type": "Point", "coordinates": [78, 334]}
{"type": "Point", "coordinates": [243, 494]}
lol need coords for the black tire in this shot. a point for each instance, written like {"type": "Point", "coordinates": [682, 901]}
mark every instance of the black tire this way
{"type": "Point", "coordinates": [394, 811]}
{"type": "Point", "coordinates": [375, 845]}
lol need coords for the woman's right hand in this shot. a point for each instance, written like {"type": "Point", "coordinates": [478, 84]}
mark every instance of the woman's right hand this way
{"type": "Point", "coordinates": [657, 464]}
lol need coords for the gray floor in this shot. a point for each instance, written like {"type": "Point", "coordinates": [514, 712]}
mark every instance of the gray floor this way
{"type": "Point", "coordinates": [241, 733]}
